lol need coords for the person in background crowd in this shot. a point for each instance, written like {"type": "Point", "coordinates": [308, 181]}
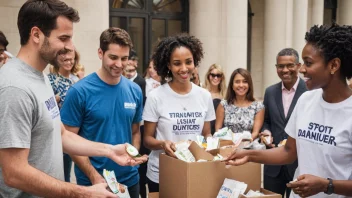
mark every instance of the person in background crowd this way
{"type": "Point", "coordinates": [80, 73]}
{"type": "Point", "coordinates": [175, 58]}
{"type": "Point", "coordinates": [106, 107]}
{"type": "Point", "coordinates": [32, 135]}
{"type": "Point", "coordinates": [215, 83]}
{"type": "Point", "coordinates": [131, 72]}
{"type": "Point", "coordinates": [61, 80]}
{"type": "Point", "coordinates": [152, 78]}
{"type": "Point", "coordinates": [239, 111]}
{"type": "Point", "coordinates": [279, 101]}
{"type": "Point", "coordinates": [320, 125]}
{"type": "Point", "coordinates": [195, 77]}
{"type": "Point", "coordinates": [3, 45]}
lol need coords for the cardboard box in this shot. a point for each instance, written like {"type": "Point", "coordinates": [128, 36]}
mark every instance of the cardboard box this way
{"type": "Point", "coordinates": [153, 195]}
{"type": "Point", "coordinates": [267, 193]}
{"type": "Point", "coordinates": [179, 179]}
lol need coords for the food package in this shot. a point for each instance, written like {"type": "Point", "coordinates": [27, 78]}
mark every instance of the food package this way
{"type": "Point", "coordinates": [185, 155]}
{"type": "Point", "coordinates": [231, 189]}
{"type": "Point", "coordinates": [266, 139]}
{"type": "Point", "coordinates": [132, 151]}
{"type": "Point", "coordinates": [252, 193]}
{"type": "Point", "coordinates": [282, 143]}
{"type": "Point", "coordinates": [224, 134]}
{"type": "Point", "coordinates": [212, 143]}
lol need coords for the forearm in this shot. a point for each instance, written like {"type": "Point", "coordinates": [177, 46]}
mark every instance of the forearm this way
{"type": "Point", "coordinates": [343, 187]}
{"type": "Point", "coordinates": [275, 156]}
{"type": "Point", "coordinates": [33, 181]}
{"type": "Point", "coordinates": [136, 139]}
{"type": "Point", "coordinates": [152, 143]}
{"type": "Point", "coordinates": [73, 144]}
{"type": "Point", "coordinates": [86, 167]}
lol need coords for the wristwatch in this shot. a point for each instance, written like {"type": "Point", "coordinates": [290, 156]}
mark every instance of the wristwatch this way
{"type": "Point", "coordinates": [330, 188]}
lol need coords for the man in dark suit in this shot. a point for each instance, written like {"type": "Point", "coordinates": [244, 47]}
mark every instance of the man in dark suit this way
{"type": "Point", "coordinates": [280, 100]}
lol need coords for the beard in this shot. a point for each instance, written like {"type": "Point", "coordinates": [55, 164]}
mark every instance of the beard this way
{"type": "Point", "coordinates": [48, 54]}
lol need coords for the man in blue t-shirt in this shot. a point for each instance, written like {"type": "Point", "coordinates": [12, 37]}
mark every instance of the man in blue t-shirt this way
{"type": "Point", "coordinates": [106, 107]}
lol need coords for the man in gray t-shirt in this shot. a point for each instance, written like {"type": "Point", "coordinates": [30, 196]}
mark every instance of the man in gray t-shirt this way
{"type": "Point", "coordinates": [32, 135]}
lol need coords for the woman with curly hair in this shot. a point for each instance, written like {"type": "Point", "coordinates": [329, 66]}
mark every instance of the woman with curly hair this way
{"type": "Point", "coordinates": [239, 111]}
{"type": "Point", "coordinates": [320, 127]}
{"type": "Point", "coordinates": [177, 110]}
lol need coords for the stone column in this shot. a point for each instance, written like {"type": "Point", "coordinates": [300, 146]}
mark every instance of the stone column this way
{"type": "Point", "coordinates": [344, 14]}
{"type": "Point", "coordinates": [300, 16]}
{"type": "Point", "coordinates": [277, 35]}
{"type": "Point", "coordinates": [315, 13]}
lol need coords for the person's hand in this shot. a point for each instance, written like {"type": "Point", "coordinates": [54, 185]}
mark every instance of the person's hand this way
{"type": "Point", "coordinates": [308, 185]}
{"type": "Point", "coordinates": [169, 148]}
{"type": "Point", "coordinates": [236, 158]}
{"type": "Point", "coordinates": [119, 155]}
{"type": "Point", "coordinates": [100, 191]}
{"type": "Point", "coordinates": [266, 133]}
{"type": "Point", "coordinates": [3, 58]}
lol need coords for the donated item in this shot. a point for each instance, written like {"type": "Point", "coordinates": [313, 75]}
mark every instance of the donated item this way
{"type": "Point", "coordinates": [252, 193]}
{"type": "Point", "coordinates": [182, 145]}
{"type": "Point", "coordinates": [123, 192]}
{"type": "Point", "coordinates": [218, 157]}
{"type": "Point", "coordinates": [282, 143]}
{"type": "Point", "coordinates": [224, 134]}
{"type": "Point", "coordinates": [246, 135]}
{"type": "Point", "coordinates": [111, 180]}
{"type": "Point", "coordinates": [185, 155]}
{"type": "Point", "coordinates": [232, 189]}
{"type": "Point", "coordinates": [255, 145]}
{"type": "Point", "coordinates": [200, 140]}
{"type": "Point", "coordinates": [212, 143]}
{"type": "Point", "coordinates": [263, 194]}
{"type": "Point", "coordinates": [202, 179]}
{"type": "Point", "coordinates": [132, 151]}
{"type": "Point", "coordinates": [266, 139]}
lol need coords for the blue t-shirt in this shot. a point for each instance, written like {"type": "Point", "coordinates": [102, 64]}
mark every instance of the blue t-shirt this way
{"type": "Point", "coordinates": [104, 113]}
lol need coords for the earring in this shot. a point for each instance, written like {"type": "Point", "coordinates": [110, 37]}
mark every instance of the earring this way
{"type": "Point", "coordinates": [332, 72]}
{"type": "Point", "coordinates": [168, 73]}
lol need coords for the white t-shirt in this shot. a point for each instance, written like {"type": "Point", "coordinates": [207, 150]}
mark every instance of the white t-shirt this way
{"type": "Point", "coordinates": [323, 133]}
{"type": "Point", "coordinates": [150, 85]}
{"type": "Point", "coordinates": [179, 117]}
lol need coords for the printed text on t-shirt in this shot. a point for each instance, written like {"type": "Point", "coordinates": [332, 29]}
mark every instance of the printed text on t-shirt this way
{"type": "Point", "coordinates": [318, 133]}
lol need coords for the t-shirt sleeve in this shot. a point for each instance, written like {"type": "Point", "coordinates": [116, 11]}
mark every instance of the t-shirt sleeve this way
{"type": "Point", "coordinates": [150, 112]}
{"type": "Point", "coordinates": [259, 107]}
{"type": "Point", "coordinates": [210, 116]}
{"type": "Point", "coordinates": [223, 103]}
{"type": "Point", "coordinates": [290, 128]}
{"type": "Point", "coordinates": [16, 118]}
{"type": "Point", "coordinates": [138, 116]}
{"type": "Point", "coordinates": [72, 110]}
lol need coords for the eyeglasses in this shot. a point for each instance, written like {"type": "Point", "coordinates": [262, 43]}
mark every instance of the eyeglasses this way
{"type": "Point", "coordinates": [215, 75]}
{"type": "Point", "coordinates": [288, 66]}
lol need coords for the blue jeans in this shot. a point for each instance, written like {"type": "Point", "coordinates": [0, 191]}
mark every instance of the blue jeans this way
{"type": "Point", "coordinates": [67, 167]}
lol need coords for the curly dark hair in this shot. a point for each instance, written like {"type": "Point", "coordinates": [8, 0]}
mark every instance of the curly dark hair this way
{"type": "Point", "coordinates": [333, 41]}
{"type": "Point", "coordinates": [162, 53]}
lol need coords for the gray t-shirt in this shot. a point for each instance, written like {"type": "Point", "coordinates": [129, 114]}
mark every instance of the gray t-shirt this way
{"type": "Point", "coordinates": [29, 118]}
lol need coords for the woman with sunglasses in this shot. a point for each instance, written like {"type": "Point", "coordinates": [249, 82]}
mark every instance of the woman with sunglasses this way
{"type": "Point", "coordinates": [320, 127]}
{"type": "Point", "coordinates": [215, 83]}
{"type": "Point", "coordinates": [239, 111]}
{"type": "Point", "coordinates": [178, 110]}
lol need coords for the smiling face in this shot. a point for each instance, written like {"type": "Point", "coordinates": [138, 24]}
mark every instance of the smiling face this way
{"type": "Point", "coordinates": [59, 41]}
{"type": "Point", "coordinates": [240, 85]}
{"type": "Point", "coordinates": [215, 77]}
{"type": "Point", "coordinates": [181, 65]}
{"type": "Point", "coordinates": [287, 70]}
{"type": "Point", "coordinates": [151, 70]}
{"type": "Point", "coordinates": [114, 60]}
{"type": "Point", "coordinates": [130, 71]}
{"type": "Point", "coordinates": [316, 72]}
{"type": "Point", "coordinates": [66, 61]}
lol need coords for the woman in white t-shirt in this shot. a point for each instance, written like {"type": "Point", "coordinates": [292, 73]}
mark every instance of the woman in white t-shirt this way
{"type": "Point", "coordinates": [152, 78]}
{"type": "Point", "coordinates": [320, 127]}
{"type": "Point", "coordinates": [178, 110]}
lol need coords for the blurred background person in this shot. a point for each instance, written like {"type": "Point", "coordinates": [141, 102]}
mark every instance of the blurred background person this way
{"type": "Point", "coordinates": [61, 79]}
{"type": "Point", "coordinates": [215, 83]}
{"type": "Point", "coordinates": [152, 78]}
{"type": "Point", "coordinates": [3, 45]}
{"type": "Point", "coordinates": [239, 111]}
{"type": "Point", "coordinates": [195, 77]}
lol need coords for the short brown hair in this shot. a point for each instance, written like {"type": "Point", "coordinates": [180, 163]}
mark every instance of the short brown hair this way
{"type": "Point", "coordinates": [114, 35]}
{"type": "Point", "coordinates": [42, 14]}
{"type": "Point", "coordinates": [231, 95]}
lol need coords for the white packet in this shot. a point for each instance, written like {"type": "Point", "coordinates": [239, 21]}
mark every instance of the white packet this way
{"type": "Point", "coordinates": [111, 180]}
{"type": "Point", "coordinates": [212, 143]}
{"type": "Point", "coordinates": [252, 193]}
{"type": "Point", "coordinates": [227, 188]}
{"type": "Point", "coordinates": [200, 140]}
{"type": "Point", "coordinates": [123, 193]}
{"type": "Point", "coordinates": [185, 155]}
{"type": "Point", "coordinates": [182, 145]}
{"type": "Point", "coordinates": [224, 134]}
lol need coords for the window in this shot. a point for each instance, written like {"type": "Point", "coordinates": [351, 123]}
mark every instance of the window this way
{"type": "Point", "coordinates": [147, 21]}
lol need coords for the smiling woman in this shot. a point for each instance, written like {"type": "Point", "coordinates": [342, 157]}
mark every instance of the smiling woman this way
{"type": "Point", "coordinates": [177, 110]}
